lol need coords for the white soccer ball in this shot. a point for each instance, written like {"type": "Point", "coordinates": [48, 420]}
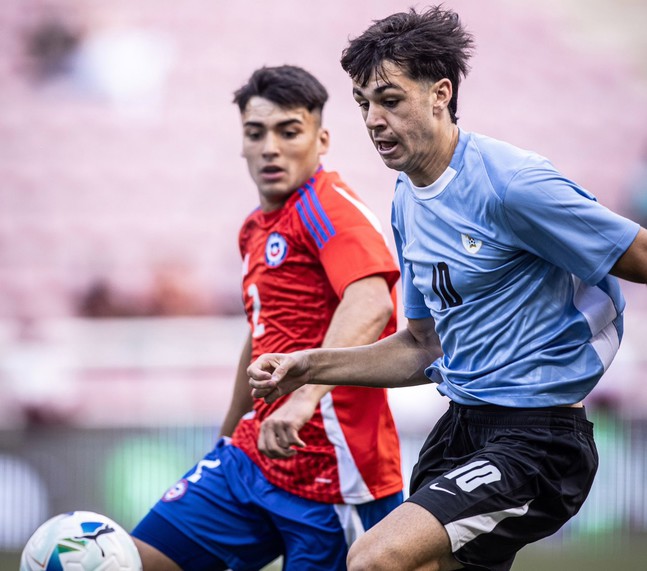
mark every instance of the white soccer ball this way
{"type": "Point", "coordinates": [80, 541]}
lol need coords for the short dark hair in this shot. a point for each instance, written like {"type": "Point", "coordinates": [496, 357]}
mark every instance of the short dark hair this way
{"type": "Point", "coordinates": [288, 86]}
{"type": "Point", "coordinates": [431, 45]}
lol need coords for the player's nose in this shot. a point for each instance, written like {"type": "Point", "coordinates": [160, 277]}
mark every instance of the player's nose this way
{"type": "Point", "coordinates": [270, 145]}
{"type": "Point", "coordinates": [374, 118]}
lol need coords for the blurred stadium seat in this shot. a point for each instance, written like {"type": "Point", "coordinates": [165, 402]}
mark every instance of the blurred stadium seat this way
{"type": "Point", "coordinates": [167, 181]}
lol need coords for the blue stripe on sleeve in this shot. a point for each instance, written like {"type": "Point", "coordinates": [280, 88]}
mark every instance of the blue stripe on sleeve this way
{"type": "Point", "coordinates": [312, 222]}
{"type": "Point", "coordinates": [305, 220]}
{"type": "Point", "coordinates": [320, 210]}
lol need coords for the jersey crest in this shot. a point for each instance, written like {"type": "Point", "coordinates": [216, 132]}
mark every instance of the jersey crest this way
{"type": "Point", "coordinates": [276, 249]}
{"type": "Point", "coordinates": [176, 491]}
{"type": "Point", "coordinates": [472, 245]}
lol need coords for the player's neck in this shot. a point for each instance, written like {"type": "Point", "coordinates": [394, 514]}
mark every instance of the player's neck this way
{"type": "Point", "coordinates": [440, 156]}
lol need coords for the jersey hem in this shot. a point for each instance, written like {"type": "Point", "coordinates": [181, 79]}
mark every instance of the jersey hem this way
{"type": "Point", "coordinates": [338, 498]}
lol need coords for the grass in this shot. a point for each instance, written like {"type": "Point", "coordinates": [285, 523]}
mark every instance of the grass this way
{"type": "Point", "coordinates": [628, 554]}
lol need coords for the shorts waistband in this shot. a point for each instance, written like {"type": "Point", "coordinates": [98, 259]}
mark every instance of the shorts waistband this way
{"type": "Point", "coordinates": [556, 416]}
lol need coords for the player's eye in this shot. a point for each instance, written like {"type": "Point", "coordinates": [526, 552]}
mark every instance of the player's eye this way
{"type": "Point", "coordinates": [253, 135]}
{"type": "Point", "coordinates": [390, 103]}
{"type": "Point", "coordinates": [290, 134]}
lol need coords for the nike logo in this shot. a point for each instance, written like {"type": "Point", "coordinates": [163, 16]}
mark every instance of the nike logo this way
{"type": "Point", "coordinates": [435, 486]}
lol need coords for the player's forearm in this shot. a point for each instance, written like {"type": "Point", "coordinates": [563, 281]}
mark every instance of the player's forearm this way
{"type": "Point", "coordinates": [311, 393]}
{"type": "Point", "coordinates": [397, 361]}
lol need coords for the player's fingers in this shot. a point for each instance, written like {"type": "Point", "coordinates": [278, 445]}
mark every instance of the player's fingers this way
{"type": "Point", "coordinates": [261, 389]}
{"type": "Point", "coordinates": [287, 435]}
{"type": "Point", "coordinates": [283, 367]}
{"type": "Point", "coordinates": [267, 443]}
{"type": "Point", "coordinates": [294, 439]}
{"type": "Point", "coordinates": [273, 445]}
{"type": "Point", "coordinates": [282, 440]}
{"type": "Point", "coordinates": [269, 396]}
{"type": "Point", "coordinates": [283, 453]}
{"type": "Point", "coordinates": [261, 441]}
{"type": "Point", "coordinates": [263, 367]}
{"type": "Point", "coordinates": [267, 390]}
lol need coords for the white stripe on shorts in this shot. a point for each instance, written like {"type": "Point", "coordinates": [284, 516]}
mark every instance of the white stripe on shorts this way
{"type": "Point", "coordinates": [350, 522]}
{"type": "Point", "coordinates": [462, 531]}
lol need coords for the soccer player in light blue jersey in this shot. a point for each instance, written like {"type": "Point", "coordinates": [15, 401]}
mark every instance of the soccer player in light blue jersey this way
{"type": "Point", "coordinates": [509, 287]}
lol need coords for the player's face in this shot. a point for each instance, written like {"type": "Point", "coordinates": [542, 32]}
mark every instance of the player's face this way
{"type": "Point", "coordinates": [282, 148]}
{"type": "Point", "coordinates": [405, 119]}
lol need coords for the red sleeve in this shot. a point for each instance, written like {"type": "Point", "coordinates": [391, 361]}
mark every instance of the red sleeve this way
{"type": "Point", "coordinates": [346, 233]}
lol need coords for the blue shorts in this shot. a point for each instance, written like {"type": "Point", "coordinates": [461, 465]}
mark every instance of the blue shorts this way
{"type": "Point", "coordinates": [224, 514]}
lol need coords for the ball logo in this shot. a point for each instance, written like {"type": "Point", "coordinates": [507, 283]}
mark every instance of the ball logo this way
{"type": "Point", "coordinates": [276, 249]}
{"type": "Point", "coordinates": [176, 492]}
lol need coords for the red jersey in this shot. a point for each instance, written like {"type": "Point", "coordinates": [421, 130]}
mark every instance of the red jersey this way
{"type": "Point", "coordinates": [297, 261]}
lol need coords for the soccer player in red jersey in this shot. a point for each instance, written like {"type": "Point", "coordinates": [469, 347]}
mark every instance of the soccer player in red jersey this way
{"type": "Point", "coordinates": [304, 476]}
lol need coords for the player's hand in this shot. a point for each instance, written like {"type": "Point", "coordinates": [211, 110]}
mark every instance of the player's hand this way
{"type": "Point", "coordinates": [276, 374]}
{"type": "Point", "coordinates": [279, 432]}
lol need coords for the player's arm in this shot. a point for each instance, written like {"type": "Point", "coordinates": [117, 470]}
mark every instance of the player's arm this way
{"type": "Point", "coordinates": [632, 265]}
{"type": "Point", "coordinates": [396, 361]}
{"type": "Point", "coordinates": [361, 316]}
{"type": "Point", "coordinates": [241, 399]}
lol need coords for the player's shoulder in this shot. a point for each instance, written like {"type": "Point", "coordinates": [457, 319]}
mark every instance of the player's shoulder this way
{"type": "Point", "coordinates": [330, 195]}
{"type": "Point", "coordinates": [250, 223]}
{"type": "Point", "coordinates": [500, 155]}
{"type": "Point", "coordinates": [252, 219]}
{"type": "Point", "coordinates": [499, 161]}
{"type": "Point", "coordinates": [330, 186]}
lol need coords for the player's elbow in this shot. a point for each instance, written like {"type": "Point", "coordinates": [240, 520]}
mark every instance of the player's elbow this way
{"type": "Point", "coordinates": [368, 306]}
{"type": "Point", "coordinates": [386, 307]}
{"type": "Point", "coordinates": [382, 311]}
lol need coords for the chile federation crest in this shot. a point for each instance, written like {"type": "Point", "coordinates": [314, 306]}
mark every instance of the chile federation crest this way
{"type": "Point", "coordinates": [276, 249]}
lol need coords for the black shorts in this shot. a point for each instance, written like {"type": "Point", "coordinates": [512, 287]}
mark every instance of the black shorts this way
{"type": "Point", "coordinates": [499, 478]}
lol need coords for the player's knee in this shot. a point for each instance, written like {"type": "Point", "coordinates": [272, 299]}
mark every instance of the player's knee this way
{"type": "Point", "coordinates": [363, 559]}
{"type": "Point", "coordinates": [365, 555]}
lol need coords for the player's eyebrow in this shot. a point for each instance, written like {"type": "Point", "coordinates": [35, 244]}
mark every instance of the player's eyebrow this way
{"type": "Point", "coordinates": [280, 124]}
{"type": "Point", "coordinates": [378, 90]}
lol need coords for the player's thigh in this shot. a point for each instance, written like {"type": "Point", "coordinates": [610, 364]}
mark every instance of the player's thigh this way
{"type": "Point", "coordinates": [313, 533]}
{"type": "Point", "coordinates": [209, 517]}
{"type": "Point", "coordinates": [409, 538]}
{"type": "Point", "coordinates": [164, 547]}
{"type": "Point", "coordinates": [316, 535]}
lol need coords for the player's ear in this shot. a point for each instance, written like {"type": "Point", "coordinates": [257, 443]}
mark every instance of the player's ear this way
{"type": "Point", "coordinates": [443, 91]}
{"type": "Point", "coordinates": [323, 140]}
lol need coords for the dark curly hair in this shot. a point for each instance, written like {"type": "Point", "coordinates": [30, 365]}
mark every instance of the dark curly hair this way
{"type": "Point", "coordinates": [429, 45]}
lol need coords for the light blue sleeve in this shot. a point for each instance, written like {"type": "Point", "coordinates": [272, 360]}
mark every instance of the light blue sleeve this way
{"type": "Point", "coordinates": [412, 300]}
{"type": "Point", "coordinates": [559, 221]}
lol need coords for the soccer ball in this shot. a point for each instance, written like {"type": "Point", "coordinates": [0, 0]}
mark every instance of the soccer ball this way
{"type": "Point", "coordinates": [80, 541]}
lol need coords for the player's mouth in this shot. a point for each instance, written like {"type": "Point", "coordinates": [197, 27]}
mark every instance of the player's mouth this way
{"type": "Point", "coordinates": [271, 173]}
{"type": "Point", "coordinates": [385, 148]}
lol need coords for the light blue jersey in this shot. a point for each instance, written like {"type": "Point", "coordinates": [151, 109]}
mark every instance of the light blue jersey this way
{"type": "Point", "coordinates": [511, 260]}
